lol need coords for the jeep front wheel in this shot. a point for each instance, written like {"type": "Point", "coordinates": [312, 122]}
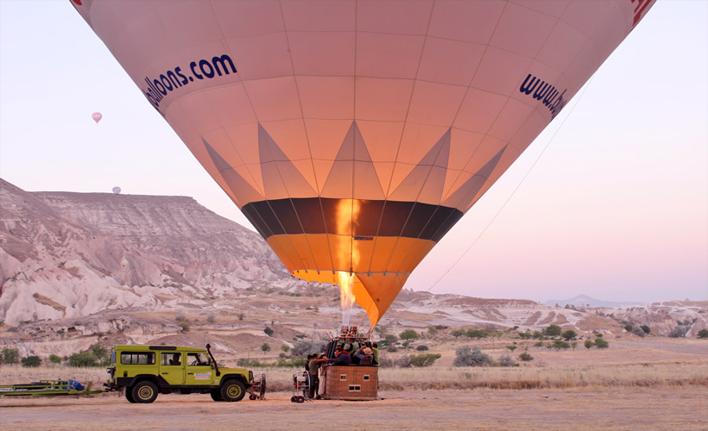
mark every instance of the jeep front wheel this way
{"type": "Point", "coordinates": [232, 390]}
{"type": "Point", "coordinates": [144, 392]}
{"type": "Point", "coordinates": [129, 395]}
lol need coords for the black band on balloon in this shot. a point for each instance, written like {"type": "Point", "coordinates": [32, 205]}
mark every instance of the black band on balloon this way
{"type": "Point", "coordinates": [373, 218]}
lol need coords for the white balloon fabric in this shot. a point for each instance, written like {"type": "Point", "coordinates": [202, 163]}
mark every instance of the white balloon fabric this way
{"type": "Point", "coordinates": [353, 134]}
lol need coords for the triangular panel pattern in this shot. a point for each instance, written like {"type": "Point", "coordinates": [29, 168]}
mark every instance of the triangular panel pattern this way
{"type": "Point", "coordinates": [464, 195]}
{"type": "Point", "coordinates": [426, 181]}
{"type": "Point", "coordinates": [238, 186]}
{"type": "Point", "coordinates": [353, 173]}
{"type": "Point", "coordinates": [281, 179]}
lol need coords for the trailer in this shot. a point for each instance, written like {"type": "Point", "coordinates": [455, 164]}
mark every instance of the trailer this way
{"type": "Point", "coordinates": [47, 388]}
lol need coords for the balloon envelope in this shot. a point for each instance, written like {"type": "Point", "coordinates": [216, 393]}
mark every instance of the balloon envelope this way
{"type": "Point", "coordinates": [355, 134]}
{"type": "Point", "coordinates": [96, 116]}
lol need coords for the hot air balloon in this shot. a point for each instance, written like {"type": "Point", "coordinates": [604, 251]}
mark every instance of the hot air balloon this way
{"type": "Point", "coordinates": [354, 134]}
{"type": "Point", "coordinates": [116, 190]}
{"type": "Point", "coordinates": [96, 116]}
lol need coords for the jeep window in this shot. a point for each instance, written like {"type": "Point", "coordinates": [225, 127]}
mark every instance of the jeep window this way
{"type": "Point", "coordinates": [170, 359]}
{"type": "Point", "coordinates": [195, 359]}
{"type": "Point", "coordinates": [137, 358]}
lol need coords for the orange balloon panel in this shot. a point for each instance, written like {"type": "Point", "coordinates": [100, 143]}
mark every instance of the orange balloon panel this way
{"type": "Point", "coordinates": [354, 134]}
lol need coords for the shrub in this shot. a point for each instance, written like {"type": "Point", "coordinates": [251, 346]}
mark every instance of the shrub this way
{"type": "Point", "coordinates": [703, 333]}
{"type": "Point", "coordinates": [507, 361]}
{"type": "Point", "coordinates": [457, 333]}
{"type": "Point", "coordinates": [241, 316]}
{"type": "Point", "coordinates": [285, 348]}
{"type": "Point", "coordinates": [408, 334]}
{"type": "Point", "coordinates": [569, 335]}
{"type": "Point", "coordinates": [588, 344]}
{"type": "Point", "coordinates": [511, 347]}
{"type": "Point", "coordinates": [525, 356]}
{"type": "Point", "coordinates": [560, 344]}
{"type": "Point", "coordinates": [389, 340]}
{"type": "Point", "coordinates": [679, 331]}
{"type": "Point", "coordinates": [628, 327]}
{"type": "Point", "coordinates": [305, 347]}
{"type": "Point", "coordinates": [265, 347]}
{"type": "Point", "coordinates": [268, 331]}
{"type": "Point", "coordinates": [424, 359]}
{"type": "Point", "coordinates": [10, 356]}
{"type": "Point", "coordinates": [54, 359]}
{"type": "Point", "coordinates": [476, 333]}
{"type": "Point", "coordinates": [537, 335]}
{"type": "Point", "coordinates": [32, 361]}
{"type": "Point", "coordinates": [601, 343]}
{"type": "Point", "coordinates": [422, 348]}
{"type": "Point", "coordinates": [83, 359]}
{"type": "Point", "coordinates": [471, 357]}
{"type": "Point", "coordinates": [552, 331]}
{"type": "Point", "coordinates": [182, 322]}
{"type": "Point", "coordinates": [253, 363]}
{"type": "Point", "coordinates": [646, 329]}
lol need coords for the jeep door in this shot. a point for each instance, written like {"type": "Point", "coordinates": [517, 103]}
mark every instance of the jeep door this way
{"type": "Point", "coordinates": [199, 369]}
{"type": "Point", "coordinates": [172, 367]}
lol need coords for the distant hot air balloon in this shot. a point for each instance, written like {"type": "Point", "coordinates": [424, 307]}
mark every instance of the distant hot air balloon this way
{"type": "Point", "coordinates": [116, 190]}
{"type": "Point", "coordinates": [97, 116]}
{"type": "Point", "coordinates": [355, 134]}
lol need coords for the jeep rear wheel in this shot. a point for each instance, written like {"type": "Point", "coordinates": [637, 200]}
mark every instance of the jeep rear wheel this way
{"type": "Point", "coordinates": [232, 390]}
{"type": "Point", "coordinates": [144, 392]}
{"type": "Point", "coordinates": [216, 395]}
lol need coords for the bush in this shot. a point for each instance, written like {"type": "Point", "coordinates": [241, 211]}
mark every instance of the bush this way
{"type": "Point", "coordinates": [32, 361]}
{"type": "Point", "coordinates": [628, 327]}
{"type": "Point", "coordinates": [285, 348]}
{"type": "Point", "coordinates": [268, 331]}
{"type": "Point", "coordinates": [10, 356]}
{"type": "Point", "coordinates": [182, 322]}
{"type": "Point", "coordinates": [424, 359]}
{"type": "Point", "coordinates": [679, 331]}
{"type": "Point", "coordinates": [265, 347]}
{"type": "Point", "coordinates": [507, 361]}
{"type": "Point", "coordinates": [241, 316]}
{"type": "Point", "coordinates": [408, 334]}
{"type": "Point", "coordinates": [251, 363]}
{"type": "Point", "coordinates": [471, 357]}
{"type": "Point", "coordinates": [703, 333]}
{"type": "Point", "coordinates": [54, 359]}
{"type": "Point", "coordinates": [552, 331]}
{"type": "Point", "coordinates": [560, 344]}
{"type": "Point", "coordinates": [476, 333]}
{"type": "Point", "coordinates": [422, 348]}
{"type": "Point", "coordinates": [83, 359]}
{"type": "Point", "coordinates": [512, 347]}
{"type": "Point", "coordinates": [303, 348]}
{"type": "Point", "coordinates": [601, 343]}
{"type": "Point", "coordinates": [588, 344]}
{"type": "Point", "coordinates": [646, 329]}
{"type": "Point", "coordinates": [525, 356]}
{"type": "Point", "coordinates": [457, 333]}
{"type": "Point", "coordinates": [569, 335]}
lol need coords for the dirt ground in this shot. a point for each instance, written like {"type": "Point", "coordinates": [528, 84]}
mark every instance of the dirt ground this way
{"type": "Point", "coordinates": [675, 408]}
{"type": "Point", "coordinates": [649, 384]}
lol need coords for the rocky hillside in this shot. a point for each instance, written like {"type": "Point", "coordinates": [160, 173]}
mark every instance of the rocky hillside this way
{"type": "Point", "coordinates": [75, 254]}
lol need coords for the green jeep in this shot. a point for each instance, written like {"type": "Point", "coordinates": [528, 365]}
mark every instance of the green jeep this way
{"type": "Point", "coordinates": [145, 371]}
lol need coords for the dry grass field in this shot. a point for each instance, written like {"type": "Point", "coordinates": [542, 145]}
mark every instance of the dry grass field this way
{"type": "Point", "coordinates": [651, 383]}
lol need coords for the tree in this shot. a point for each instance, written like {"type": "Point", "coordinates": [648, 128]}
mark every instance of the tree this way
{"type": "Point", "coordinates": [390, 339]}
{"type": "Point", "coordinates": [268, 331]}
{"type": "Point", "coordinates": [703, 333]}
{"type": "Point", "coordinates": [525, 356]}
{"type": "Point", "coordinates": [560, 344]}
{"type": "Point", "coordinates": [54, 359]}
{"type": "Point", "coordinates": [83, 359]}
{"type": "Point", "coordinates": [569, 335]}
{"type": "Point", "coordinates": [588, 344]}
{"type": "Point", "coordinates": [10, 356]}
{"type": "Point", "coordinates": [646, 329]}
{"type": "Point", "coordinates": [552, 331]}
{"type": "Point", "coordinates": [408, 334]}
{"type": "Point", "coordinates": [32, 361]}
{"type": "Point", "coordinates": [265, 347]}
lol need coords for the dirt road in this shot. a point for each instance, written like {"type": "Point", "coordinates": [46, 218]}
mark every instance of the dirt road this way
{"type": "Point", "coordinates": [658, 408]}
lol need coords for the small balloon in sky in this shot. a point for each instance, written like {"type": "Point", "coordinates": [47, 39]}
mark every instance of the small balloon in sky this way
{"type": "Point", "coordinates": [96, 116]}
{"type": "Point", "coordinates": [116, 190]}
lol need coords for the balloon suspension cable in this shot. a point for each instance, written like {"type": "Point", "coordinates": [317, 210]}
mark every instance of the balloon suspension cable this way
{"type": "Point", "coordinates": [513, 192]}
